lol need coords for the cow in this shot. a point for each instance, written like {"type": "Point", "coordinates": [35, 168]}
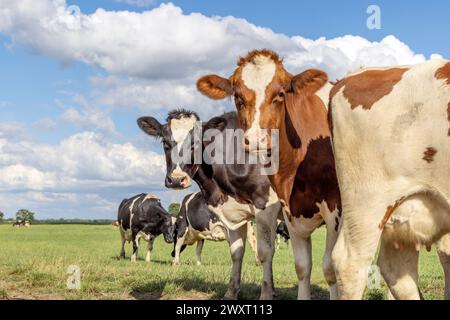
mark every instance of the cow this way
{"type": "Point", "coordinates": [236, 193]}
{"type": "Point", "coordinates": [143, 216]}
{"type": "Point", "coordinates": [271, 102]}
{"type": "Point", "coordinates": [21, 223]}
{"type": "Point", "coordinates": [196, 223]}
{"type": "Point", "coordinates": [115, 224]}
{"type": "Point", "coordinates": [282, 233]}
{"type": "Point", "coordinates": [391, 140]}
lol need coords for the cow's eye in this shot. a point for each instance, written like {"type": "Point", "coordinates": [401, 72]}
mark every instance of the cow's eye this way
{"type": "Point", "coordinates": [239, 102]}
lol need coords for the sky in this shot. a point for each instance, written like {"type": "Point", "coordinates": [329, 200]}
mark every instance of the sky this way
{"type": "Point", "coordinates": [76, 74]}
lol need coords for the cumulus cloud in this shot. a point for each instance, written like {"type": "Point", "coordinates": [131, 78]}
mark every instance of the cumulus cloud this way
{"type": "Point", "coordinates": [164, 43]}
{"type": "Point", "coordinates": [84, 160]}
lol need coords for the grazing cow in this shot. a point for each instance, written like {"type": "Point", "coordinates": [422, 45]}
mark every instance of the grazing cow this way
{"type": "Point", "coordinates": [270, 100]}
{"type": "Point", "coordinates": [21, 223]}
{"type": "Point", "coordinates": [391, 138]}
{"type": "Point", "coordinates": [142, 216]}
{"type": "Point", "coordinates": [196, 223]}
{"type": "Point", "coordinates": [236, 193]}
{"type": "Point", "coordinates": [115, 224]}
{"type": "Point", "coordinates": [282, 232]}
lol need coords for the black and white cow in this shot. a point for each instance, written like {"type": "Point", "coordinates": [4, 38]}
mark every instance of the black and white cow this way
{"type": "Point", "coordinates": [196, 223]}
{"type": "Point", "coordinates": [237, 193]}
{"type": "Point", "coordinates": [21, 223]}
{"type": "Point", "coordinates": [143, 216]}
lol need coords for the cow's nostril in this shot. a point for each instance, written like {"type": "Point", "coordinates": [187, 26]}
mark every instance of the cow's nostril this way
{"type": "Point", "coordinates": [169, 180]}
{"type": "Point", "coordinates": [246, 141]}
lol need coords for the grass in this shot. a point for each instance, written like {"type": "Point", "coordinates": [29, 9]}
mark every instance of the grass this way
{"type": "Point", "coordinates": [34, 262]}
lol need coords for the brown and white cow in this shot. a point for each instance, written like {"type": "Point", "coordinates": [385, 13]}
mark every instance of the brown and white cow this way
{"type": "Point", "coordinates": [269, 98]}
{"type": "Point", "coordinates": [391, 136]}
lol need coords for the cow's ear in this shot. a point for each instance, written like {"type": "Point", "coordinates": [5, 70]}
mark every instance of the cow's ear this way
{"type": "Point", "coordinates": [215, 87]}
{"type": "Point", "coordinates": [218, 123]}
{"type": "Point", "coordinates": [309, 82]}
{"type": "Point", "coordinates": [150, 126]}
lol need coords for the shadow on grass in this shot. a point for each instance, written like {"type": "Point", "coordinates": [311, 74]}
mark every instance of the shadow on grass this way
{"type": "Point", "coordinates": [199, 289]}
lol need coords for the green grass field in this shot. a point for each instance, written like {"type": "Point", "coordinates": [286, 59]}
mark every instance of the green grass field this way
{"type": "Point", "coordinates": [34, 262]}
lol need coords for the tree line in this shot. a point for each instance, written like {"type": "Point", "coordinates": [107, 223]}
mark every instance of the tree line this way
{"type": "Point", "coordinates": [29, 216]}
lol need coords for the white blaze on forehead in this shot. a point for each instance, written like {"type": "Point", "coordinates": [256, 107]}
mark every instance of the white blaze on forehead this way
{"type": "Point", "coordinates": [180, 129]}
{"type": "Point", "coordinates": [257, 75]}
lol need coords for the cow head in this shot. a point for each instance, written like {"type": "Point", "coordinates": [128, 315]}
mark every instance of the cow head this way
{"type": "Point", "coordinates": [259, 86]}
{"type": "Point", "coordinates": [157, 217]}
{"type": "Point", "coordinates": [174, 136]}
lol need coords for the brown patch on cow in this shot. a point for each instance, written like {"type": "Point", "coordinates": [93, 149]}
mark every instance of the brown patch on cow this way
{"type": "Point", "coordinates": [389, 211]}
{"type": "Point", "coordinates": [368, 87]}
{"type": "Point", "coordinates": [429, 154]}
{"type": "Point", "coordinates": [443, 73]}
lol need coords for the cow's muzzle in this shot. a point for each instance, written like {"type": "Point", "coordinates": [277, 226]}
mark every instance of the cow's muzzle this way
{"type": "Point", "coordinates": [178, 181]}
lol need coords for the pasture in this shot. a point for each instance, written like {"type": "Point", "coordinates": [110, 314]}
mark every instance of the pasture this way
{"type": "Point", "coordinates": [34, 262]}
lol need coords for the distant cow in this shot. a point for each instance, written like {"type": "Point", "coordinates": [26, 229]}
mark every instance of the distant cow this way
{"type": "Point", "coordinates": [196, 223]}
{"type": "Point", "coordinates": [142, 216]}
{"type": "Point", "coordinates": [115, 224]}
{"type": "Point", "coordinates": [282, 232]}
{"type": "Point", "coordinates": [21, 223]}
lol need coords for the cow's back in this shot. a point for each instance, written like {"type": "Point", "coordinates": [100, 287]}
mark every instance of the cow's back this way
{"type": "Point", "coordinates": [391, 129]}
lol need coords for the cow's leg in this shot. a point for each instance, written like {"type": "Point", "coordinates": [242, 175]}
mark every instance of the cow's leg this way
{"type": "Point", "coordinates": [135, 239]}
{"type": "Point", "coordinates": [327, 264]}
{"type": "Point", "coordinates": [444, 256]}
{"type": "Point", "coordinates": [303, 264]}
{"type": "Point", "coordinates": [266, 223]}
{"type": "Point", "coordinates": [356, 246]}
{"type": "Point", "coordinates": [122, 250]}
{"type": "Point", "coordinates": [198, 251]}
{"type": "Point", "coordinates": [399, 267]}
{"type": "Point", "coordinates": [179, 244]}
{"type": "Point", "coordinates": [253, 242]}
{"type": "Point", "coordinates": [149, 249]}
{"type": "Point", "coordinates": [237, 240]}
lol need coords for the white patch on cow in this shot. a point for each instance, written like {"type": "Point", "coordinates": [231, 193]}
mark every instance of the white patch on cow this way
{"type": "Point", "coordinates": [149, 196]}
{"type": "Point", "coordinates": [131, 210]}
{"type": "Point", "coordinates": [257, 75]}
{"type": "Point", "coordinates": [389, 166]}
{"type": "Point", "coordinates": [324, 93]}
{"type": "Point", "coordinates": [180, 129]}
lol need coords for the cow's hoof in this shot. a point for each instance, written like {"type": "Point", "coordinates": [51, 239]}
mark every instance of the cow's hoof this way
{"type": "Point", "coordinates": [199, 263]}
{"type": "Point", "coordinates": [133, 259]}
{"type": "Point", "coordinates": [175, 263]}
{"type": "Point", "coordinates": [258, 263]}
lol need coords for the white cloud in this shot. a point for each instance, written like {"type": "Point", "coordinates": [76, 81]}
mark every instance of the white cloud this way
{"type": "Point", "coordinates": [84, 160]}
{"type": "Point", "coordinates": [164, 43]}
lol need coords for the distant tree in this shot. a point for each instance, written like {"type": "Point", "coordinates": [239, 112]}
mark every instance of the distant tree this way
{"type": "Point", "coordinates": [24, 214]}
{"type": "Point", "coordinates": [174, 208]}
{"type": "Point", "coordinates": [2, 216]}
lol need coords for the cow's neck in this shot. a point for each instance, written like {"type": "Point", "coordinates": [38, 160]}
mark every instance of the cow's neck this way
{"type": "Point", "coordinates": [305, 119]}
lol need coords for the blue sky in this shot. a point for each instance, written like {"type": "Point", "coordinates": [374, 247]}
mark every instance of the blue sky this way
{"type": "Point", "coordinates": [70, 93]}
